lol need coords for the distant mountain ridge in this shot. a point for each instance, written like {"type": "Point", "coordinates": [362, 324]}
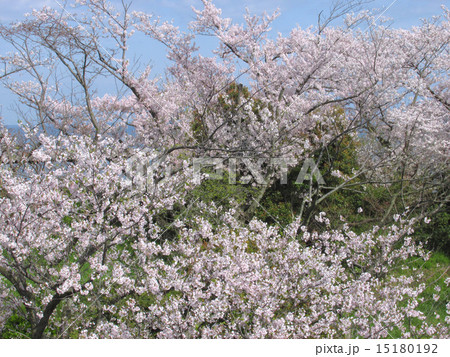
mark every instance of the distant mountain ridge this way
{"type": "Point", "coordinates": [16, 129]}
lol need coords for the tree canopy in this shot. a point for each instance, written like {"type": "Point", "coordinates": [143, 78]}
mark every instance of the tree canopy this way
{"type": "Point", "coordinates": [270, 190]}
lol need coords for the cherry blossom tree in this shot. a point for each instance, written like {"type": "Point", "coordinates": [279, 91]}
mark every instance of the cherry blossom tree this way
{"type": "Point", "coordinates": [85, 251]}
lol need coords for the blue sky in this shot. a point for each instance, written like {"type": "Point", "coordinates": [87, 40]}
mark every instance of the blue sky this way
{"type": "Point", "coordinates": [302, 12]}
{"type": "Point", "coordinates": [404, 13]}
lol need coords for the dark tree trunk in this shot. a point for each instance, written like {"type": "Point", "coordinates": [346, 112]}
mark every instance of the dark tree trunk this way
{"type": "Point", "coordinates": [38, 331]}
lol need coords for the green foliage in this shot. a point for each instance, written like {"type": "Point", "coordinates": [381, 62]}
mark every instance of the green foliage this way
{"type": "Point", "coordinates": [436, 295]}
{"type": "Point", "coordinates": [222, 193]}
{"type": "Point", "coordinates": [228, 105]}
{"type": "Point", "coordinates": [436, 234]}
{"type": "Point", "coordinates": [16, 327]}
{"type": "Point", "coordinates": [67, 220]}
{"type": "Point", "coordinates": [282, 202]}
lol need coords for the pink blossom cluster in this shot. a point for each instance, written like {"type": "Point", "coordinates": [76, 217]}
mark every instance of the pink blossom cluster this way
{"type": "Point", "coordinates": [75, 233]}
